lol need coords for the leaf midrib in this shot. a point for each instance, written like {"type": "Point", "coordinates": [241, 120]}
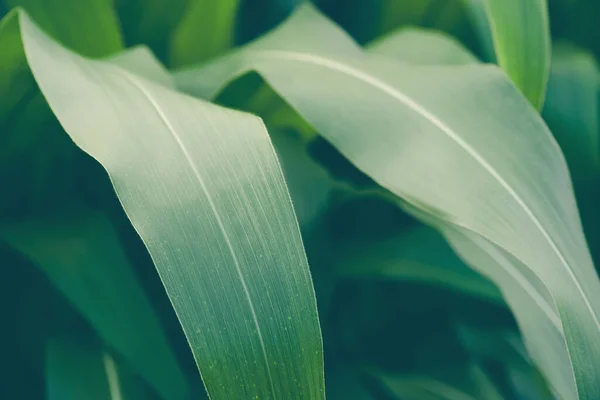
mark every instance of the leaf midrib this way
{"type": "Point", "coordinates": [406, 100]}
{"type": "Point", "coordinates": [138, 85]}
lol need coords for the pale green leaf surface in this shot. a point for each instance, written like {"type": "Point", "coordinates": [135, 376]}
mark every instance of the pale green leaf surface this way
{"type": "Point", "coordinates": [421, 255]}
{"type": "Point", "coordinates": [460, 140]}
{"type": "Point", "coordinates": [530, 301]}
{"type": "Point", "coordinates": [89, 27]}
{"type": "Point", "coordinates": [202, 186]}
{"type": "Point", "coordinates": [571, 109]}
{"type": "Point", "coordinates": [141, 61]}
{"type": "Point", "coordinates": [423, 46]}
{"type": "Point", "coordinates": [206, 30]}
{"type": "Point", "coordinates": [82, 257]}
{"type": "Point", "coordinates": [521, 35]}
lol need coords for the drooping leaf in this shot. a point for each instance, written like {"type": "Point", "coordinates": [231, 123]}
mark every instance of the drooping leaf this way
{"type": "Point", "coordinates": [521, 36]}
{"type": "Point", "coordinates": [458, 142]}
{"type": "Point", "coordinates": [422, 46]}
{"type": "Point", "coordinates": [206, 30]}
{"type": "Point", "coordinates": [89, 27]}
{"type": "Point", "coordinates": [420, 255]}
{"type": "Point", "coordinates": [202, 187]}
{"type": "Point", "coordinates": [80, 254]}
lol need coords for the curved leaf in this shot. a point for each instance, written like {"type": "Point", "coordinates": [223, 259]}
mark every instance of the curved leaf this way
{"type": "Point", "coordinates": [202, 186]}
{"type": "Point", "coordinates": [458, 142]}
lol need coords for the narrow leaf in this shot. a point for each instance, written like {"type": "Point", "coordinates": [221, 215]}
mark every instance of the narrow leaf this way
{"type": "Point", "coordinates": [459, 143]}
{"type": "Point", "coordinates": [203, 188]}
{"type": "Point", "coordinates": [521, 35]}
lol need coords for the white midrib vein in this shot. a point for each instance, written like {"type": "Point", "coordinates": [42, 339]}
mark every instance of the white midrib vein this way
{"type": "Point", "coordinates": [134, 81]}
{"type": "Point", "coordinates": [393, 92]}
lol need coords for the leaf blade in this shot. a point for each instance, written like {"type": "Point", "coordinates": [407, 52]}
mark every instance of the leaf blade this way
{"type": "Point", "coordinates": [529, 203]}
{"type": "Point", "coordinates": [248, 264]}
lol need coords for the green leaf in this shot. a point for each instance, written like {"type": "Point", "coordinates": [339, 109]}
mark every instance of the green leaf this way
{"type": "Point", "coordinates": [571, 109]}
{"type": "Point", "coordinates": [521, 35]}
{"type": "Point", "coordinates": [423, 46]}
{"type": "Point", "coordinates": [459, 143]}
{"type": "Point", "coordinates": [89, 27]}
{"type": "Point", "coordinates": [202, 186]}
{"type": "Point", "coordinates": [206, 30]}
{"type": "Point", "coordinates": [419, 254]}
{"type": "Point", "coordinates": [83, 259]}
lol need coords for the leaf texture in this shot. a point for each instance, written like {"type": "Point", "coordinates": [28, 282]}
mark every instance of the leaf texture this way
{"type": "Point", "coordinates": [459, 143]}
{"type": "Point", "coordinates": [202, 186]}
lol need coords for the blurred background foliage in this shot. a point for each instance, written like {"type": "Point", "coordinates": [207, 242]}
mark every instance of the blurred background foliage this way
{"type": "Point", "coordinates": [397, 320]}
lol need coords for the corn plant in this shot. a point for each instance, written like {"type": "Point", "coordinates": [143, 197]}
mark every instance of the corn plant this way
{"type": "Point", "coordinates": [265, 199]}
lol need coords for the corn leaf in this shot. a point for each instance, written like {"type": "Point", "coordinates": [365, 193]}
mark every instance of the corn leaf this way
{"type": "Point", "coordinates": [521, 36]}
{"type": "Point", "coordinates": [210, 22]}
{"type": "Point", "coordinates": [459, 143]}
{"type": "Point", "coordinates": [89, 27]}
{"type": "Point", "coordinates": [202, 186]}
{"type": "Point", "coordinates": [80, 254]}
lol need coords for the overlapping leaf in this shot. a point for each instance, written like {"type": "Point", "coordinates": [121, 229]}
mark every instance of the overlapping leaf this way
{"type": "Point", "coordinates": [459, 143]}
{"type": "Point", "coordinates": [203, 188]}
